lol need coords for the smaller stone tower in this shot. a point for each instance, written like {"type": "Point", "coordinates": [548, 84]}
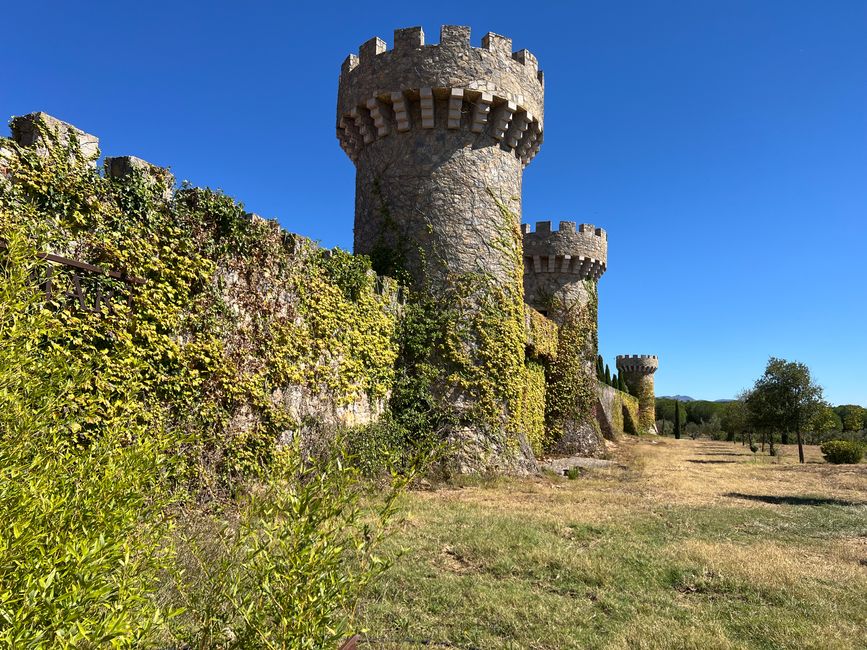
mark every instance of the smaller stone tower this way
{"type": "Point", "coordinates": [556, 262]}
{"type": "Point", "coordinates": [638, 371]}
{"type": "Point", "coordinates": [561, 268]}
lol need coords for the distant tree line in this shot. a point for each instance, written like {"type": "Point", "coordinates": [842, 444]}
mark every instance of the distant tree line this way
{"type": "Point", "coordinates": [784, 405]}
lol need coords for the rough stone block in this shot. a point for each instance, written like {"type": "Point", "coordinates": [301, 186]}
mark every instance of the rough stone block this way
{"type": "Point", "coordinates": [44, 132]}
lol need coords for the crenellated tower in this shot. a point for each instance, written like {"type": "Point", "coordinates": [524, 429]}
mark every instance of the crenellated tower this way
{"type": "Point", "coordinates": [440, 135]}
{"type": "Point", "coordinates": [558, 263]}
{"type": "Point", "coordinates": [561, 269]}
{"type": "Point", "coordinates": [637, 370]}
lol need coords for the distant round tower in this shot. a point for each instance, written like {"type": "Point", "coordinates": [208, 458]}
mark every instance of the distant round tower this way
{"type": "Point", "coordinates": [561, 269]}
{"type": "Point", "coordinates": [637, 370]}
{"type": "Point", "coordinates": [440, 135]}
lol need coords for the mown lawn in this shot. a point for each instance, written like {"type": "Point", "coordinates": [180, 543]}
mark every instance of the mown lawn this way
{"type": "Point", "coordinates": [689, 544]}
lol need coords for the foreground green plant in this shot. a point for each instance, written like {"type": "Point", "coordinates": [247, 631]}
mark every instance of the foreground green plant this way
{"type": "Point", "coordinates": [81, 541]}
{"type": "Point", "coordinates": [285, 564]}
{"type": "Point", "coordinates": [106, 543]}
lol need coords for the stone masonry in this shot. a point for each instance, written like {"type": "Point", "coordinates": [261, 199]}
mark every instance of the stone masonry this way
{"type": "Point", "coordinates": [438, 134]}
{"type": "Point", "coordinates": [557, 262]}
{"type": "Point", "coordinates": [41, 131]}
{"type": "Point", "coordinates": [638, 371]}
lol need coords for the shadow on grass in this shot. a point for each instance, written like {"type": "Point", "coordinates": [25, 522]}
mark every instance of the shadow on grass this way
{"type": "Point", "coordinates": [710, 462]}
{"type": "Point", "coordinates": [793, 500]}
{"type": "Point", "coordinates": [725, 453]}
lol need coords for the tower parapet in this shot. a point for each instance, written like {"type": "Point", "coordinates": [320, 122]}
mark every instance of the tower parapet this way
{"type": "Point", "coordinates": [556, 262]}
{"type": "Point", "coordinates": [637, 370]}
{"type": "Point", "coordinates": [452, 85]}
{"type": "Point", "coordinates": [581, 252]}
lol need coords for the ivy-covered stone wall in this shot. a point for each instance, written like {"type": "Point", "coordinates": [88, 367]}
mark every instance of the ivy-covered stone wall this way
{"type": "Point", "coordinates": [241, 334]}
{"type": "Point", "coordinates": [616, 412]}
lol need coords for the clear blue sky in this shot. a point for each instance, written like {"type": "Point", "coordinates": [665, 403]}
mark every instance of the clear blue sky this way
{"type": "Point", "coordinates": [722, 145]}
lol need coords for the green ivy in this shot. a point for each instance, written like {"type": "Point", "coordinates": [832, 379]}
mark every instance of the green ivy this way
{"type": "Point", "coordinates": [571, 393]}
{"type": "Point", "coordinates": [233, 309]}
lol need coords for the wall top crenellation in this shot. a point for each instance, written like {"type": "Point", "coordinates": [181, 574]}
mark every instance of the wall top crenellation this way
{"type": "Point", "coordinates": [44, 131]}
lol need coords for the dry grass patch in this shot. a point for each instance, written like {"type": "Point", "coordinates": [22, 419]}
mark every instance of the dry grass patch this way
{"type": "Point", "coordinates": [666, 553]}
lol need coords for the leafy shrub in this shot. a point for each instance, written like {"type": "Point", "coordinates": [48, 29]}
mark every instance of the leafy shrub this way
{"type": "Point", "coordinates": [81, 546]}
{"type": "Point", "coordinates": [842, 451]}
{"type": "Point", "coordinates": [103, 543]}
{"type": "Point", "coordinates": [283, 565]}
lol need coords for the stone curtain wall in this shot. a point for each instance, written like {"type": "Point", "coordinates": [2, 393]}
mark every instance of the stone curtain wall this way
{"type": "Point", "coordinates": [242, 334]}
{"type": "Point", "coordinates": [616, 412]}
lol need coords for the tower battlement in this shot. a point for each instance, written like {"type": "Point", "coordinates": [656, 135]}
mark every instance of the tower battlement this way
{"type": "Point", "coordinates": [483, 90]}
{"type": "Point", "coordinates": [581, 251]}
{"type": "Point", "coordinates": [641, 364]}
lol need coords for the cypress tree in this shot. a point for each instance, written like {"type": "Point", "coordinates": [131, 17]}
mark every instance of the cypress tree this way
{"type": "Point", "coordinates": [677, 419]}
{"type": "Point", "coordinates": [607, 375]}
{"type": "Point", "coordinates": [600, 373]}
{"type": "Point", "coordinates": [614, 380]}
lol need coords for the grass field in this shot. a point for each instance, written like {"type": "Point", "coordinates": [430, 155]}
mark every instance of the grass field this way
{"type": "Point", "coordinates": [688, 544]}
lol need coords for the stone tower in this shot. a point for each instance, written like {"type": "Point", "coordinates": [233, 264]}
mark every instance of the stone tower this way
{"type": "Point", "coordinates": [440, 135]}
{"type": "Point", "coordinates": [556, 264]}
{"type": "Point", "coordinates": [561, 270]}
{"type": "Point", "coordinates": [637, 370]}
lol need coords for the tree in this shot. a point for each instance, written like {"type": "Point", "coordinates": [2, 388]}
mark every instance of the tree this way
{"type": "Point", "coordinates": [600, 368]}
{"type": "Point", "coordinates": [607, 375]}
{"type": "Point", "coordinates": [823, 422]}
{"type": "Point", "coordinates": [734, 418]}
{"type": "Point", "coordinates": [853, 416]}
{"type": "Point", "coordinates": [700, 411]}
{"type": "Point", "coordinates": [784, 399]}
{"type": "Point", "coordinates": [677, 423]}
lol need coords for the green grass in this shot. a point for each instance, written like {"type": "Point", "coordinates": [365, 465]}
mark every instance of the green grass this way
{"type": "Point", "coordinates": [612, 560]}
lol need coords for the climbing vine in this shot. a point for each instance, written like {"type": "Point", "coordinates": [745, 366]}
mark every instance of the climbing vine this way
{"type": "Point", "coordinates": [572, 383]}
{"type": "Point", "coordinates": [233, 310]}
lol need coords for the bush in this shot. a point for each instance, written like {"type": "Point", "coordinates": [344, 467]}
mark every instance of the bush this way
{"type": "Point", "coordinates": [104, 543]}
{"type": "Point", "coordinates": [83, 528]}
{"type": "Point", "coordinates": [842, 451]}
{"type": "Point", "coordinates": [283, 565]}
